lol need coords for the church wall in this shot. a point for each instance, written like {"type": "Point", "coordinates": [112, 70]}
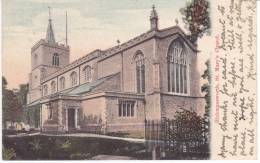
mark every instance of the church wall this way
{"type": "Point", "coordinates": [34, 94]}
{"type": "Point", "coordinates": [67, 77]}
{"type": "Point", "coordinates": [125, 124]}
{"type": "Point", "coordinates": [109, 66]}
{"type": "Point", "coordinates": [80, 79]}
{"type": "Point", "coordinates": [171, 103]}
{"type": "Point", "coordinates": [92, 115]}
{"type": "Point", "coordinates": [44, 55]}
{"type": "Point", "coordinates": [48, 83]}
{"type": "Point", "coordinates": [44, 114]}
{"type": "Point", "coordinates": [51, 124]}
{"type": "Point", "coordinates": [48, 52]}
{"type": "Point", "coordinates": [36, 57]}
{"type": "Point", "coordinates": [67, 80]}
{"type": "Point", "coordinates": [93, 65]}
{"type": "Point", "coordinates": [162, 51]}
{"type": "Point", "coordinates": [129, 67]}
{"type": "Point", "coordinates": [35, 78]}
{"type": "Point", "coordinates": [153, 106]}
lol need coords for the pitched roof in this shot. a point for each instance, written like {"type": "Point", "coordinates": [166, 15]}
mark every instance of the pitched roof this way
{"type": "Point", "coordinates": [87, 87]}
{"type": "Point", "coordinates": [101, 55]}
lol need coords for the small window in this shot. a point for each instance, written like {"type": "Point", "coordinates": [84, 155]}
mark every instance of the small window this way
{"type": "Point", "coordinates": [45, 90]}
{"type": "Point", "coordinates": [87, 73]}
{"type": "Point", "coordinates": [73, 78]}
{"type": "Point", "coordinates": [53, 87]}
{"type": "Point", "coordinates": [126, 108]}
{"type": "Point", "coordinates": [140, 72]}
{"type": "Point", "coordinates": [62, 83]}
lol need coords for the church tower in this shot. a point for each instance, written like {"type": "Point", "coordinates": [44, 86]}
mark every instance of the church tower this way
{"type": "Point", "coordinates": [47, 56]}
{"type": "Point", "coordinates": [154, 19]}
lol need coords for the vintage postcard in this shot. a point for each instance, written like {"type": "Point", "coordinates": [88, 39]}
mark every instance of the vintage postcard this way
{"type": "Point", "coordinates": [129, 80]}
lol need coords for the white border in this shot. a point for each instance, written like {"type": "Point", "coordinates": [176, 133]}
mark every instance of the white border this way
{"type": "Point", "coordinates": [170, 161]}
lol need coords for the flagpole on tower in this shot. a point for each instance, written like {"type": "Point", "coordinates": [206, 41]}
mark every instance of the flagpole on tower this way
{"type": "Point", "coordinates": [66, 39]}
{"type": "Point", "coordinates": [49, 12]}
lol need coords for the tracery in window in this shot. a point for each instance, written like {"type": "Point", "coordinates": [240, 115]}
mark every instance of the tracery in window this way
{"type": "Point", "coordinates": [177, 68]}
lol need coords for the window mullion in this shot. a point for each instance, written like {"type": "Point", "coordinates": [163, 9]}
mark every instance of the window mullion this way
{"type": "Point", "coordinates": [181, 78]}
{"type": "Point", "coordinates": [169, 75]}
{"type": "Point", "coordinates": [143, 77]}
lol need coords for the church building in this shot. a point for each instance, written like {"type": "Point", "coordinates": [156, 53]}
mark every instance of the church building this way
{"type": "Point", "coordinates": [114, 90]}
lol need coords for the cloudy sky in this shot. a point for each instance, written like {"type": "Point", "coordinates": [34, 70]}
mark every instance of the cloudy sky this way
{"type": "Point", "coordinates": [92, 24]}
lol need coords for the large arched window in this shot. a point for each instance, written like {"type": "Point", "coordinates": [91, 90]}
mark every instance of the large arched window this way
{"type": "Point", "coordinates": [87, 73]}
{"type": "Point", "coordinates": [55, 59]}
{"type": "Point", "coordinates": [62, 83]}
{"type": "Point", "coordinates": [53, 87]}
{"type": "Point", "coordinates": [178, 68]}
{"type": "Point", "coordinates": [45, 90]}
{"type": "Point", "coordinates": [140, 72]}
{"type": "Point", "coordinates": [73, 78]}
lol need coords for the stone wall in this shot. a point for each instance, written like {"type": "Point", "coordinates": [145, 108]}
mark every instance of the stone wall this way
{"type": "Point", "coordinates": [115, 123]}
{"type": "Point", "coordinates": [171, 103]}
{"type": "Point", "coordinates": [194, 75]}
{"type": "Point", "coordinates": [92, 114]}
{"type": "Point", "coordinates": [109, 66]}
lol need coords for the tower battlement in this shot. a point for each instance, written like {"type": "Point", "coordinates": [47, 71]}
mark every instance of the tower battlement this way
{"type": "Point", "coordinates": [45, 43]}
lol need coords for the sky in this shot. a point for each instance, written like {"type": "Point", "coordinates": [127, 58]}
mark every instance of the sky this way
{"type": "Point", "coordinates": [92, 24]}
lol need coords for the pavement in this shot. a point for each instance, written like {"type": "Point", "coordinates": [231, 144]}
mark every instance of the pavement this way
{"type": "Point", "coordinates": [111, 157]}
{"type": "Point", "coordinates": [83, 135]}
{"type": "Point", "coordinates": [99, 136]}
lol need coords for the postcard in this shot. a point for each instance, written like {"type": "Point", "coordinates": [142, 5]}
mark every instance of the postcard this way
{"type": "Point", "coordinates": [129, 80]}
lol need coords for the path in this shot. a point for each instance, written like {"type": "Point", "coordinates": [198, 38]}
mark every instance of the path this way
{"type": "Point", "coordinates": [84, 135]}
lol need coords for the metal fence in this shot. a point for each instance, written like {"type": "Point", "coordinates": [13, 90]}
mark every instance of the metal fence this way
{"type": "Point", "coordinates": [177, 138]}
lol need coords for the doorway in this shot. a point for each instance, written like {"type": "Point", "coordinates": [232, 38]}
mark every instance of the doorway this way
{"type": "Point", "coordinates": [71, 119]}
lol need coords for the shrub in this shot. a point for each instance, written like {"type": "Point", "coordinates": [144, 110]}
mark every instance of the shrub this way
{"type": "Point", "coordinates": [8, 153]}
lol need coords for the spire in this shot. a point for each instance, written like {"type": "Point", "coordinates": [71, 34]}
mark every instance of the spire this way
{"type": "Point", "coordinates": [50, 34]}
{"type": "Point", "coordinates": [154, 19]}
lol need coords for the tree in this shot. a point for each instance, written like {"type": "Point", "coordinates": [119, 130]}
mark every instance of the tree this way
{"type": "Point", "coordinates": [22, 95]}
{"type": "Point", "coordinates": [23, 90]}
{"type": "Point", "coordinates": [4, 83]}
{"type": "Point", "coordinates": [12, 108]}
{"type": "Point", "coordinates": [206, 89]}
{"type": "Point", "coordinates": [196, 18]}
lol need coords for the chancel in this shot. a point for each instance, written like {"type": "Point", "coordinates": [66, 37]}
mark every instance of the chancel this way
{"type": "Point", "coordinates": [148, 77]}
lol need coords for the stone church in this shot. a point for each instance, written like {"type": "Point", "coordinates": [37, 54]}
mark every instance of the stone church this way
{"type": "Point", "coordinates": [116, 89]}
